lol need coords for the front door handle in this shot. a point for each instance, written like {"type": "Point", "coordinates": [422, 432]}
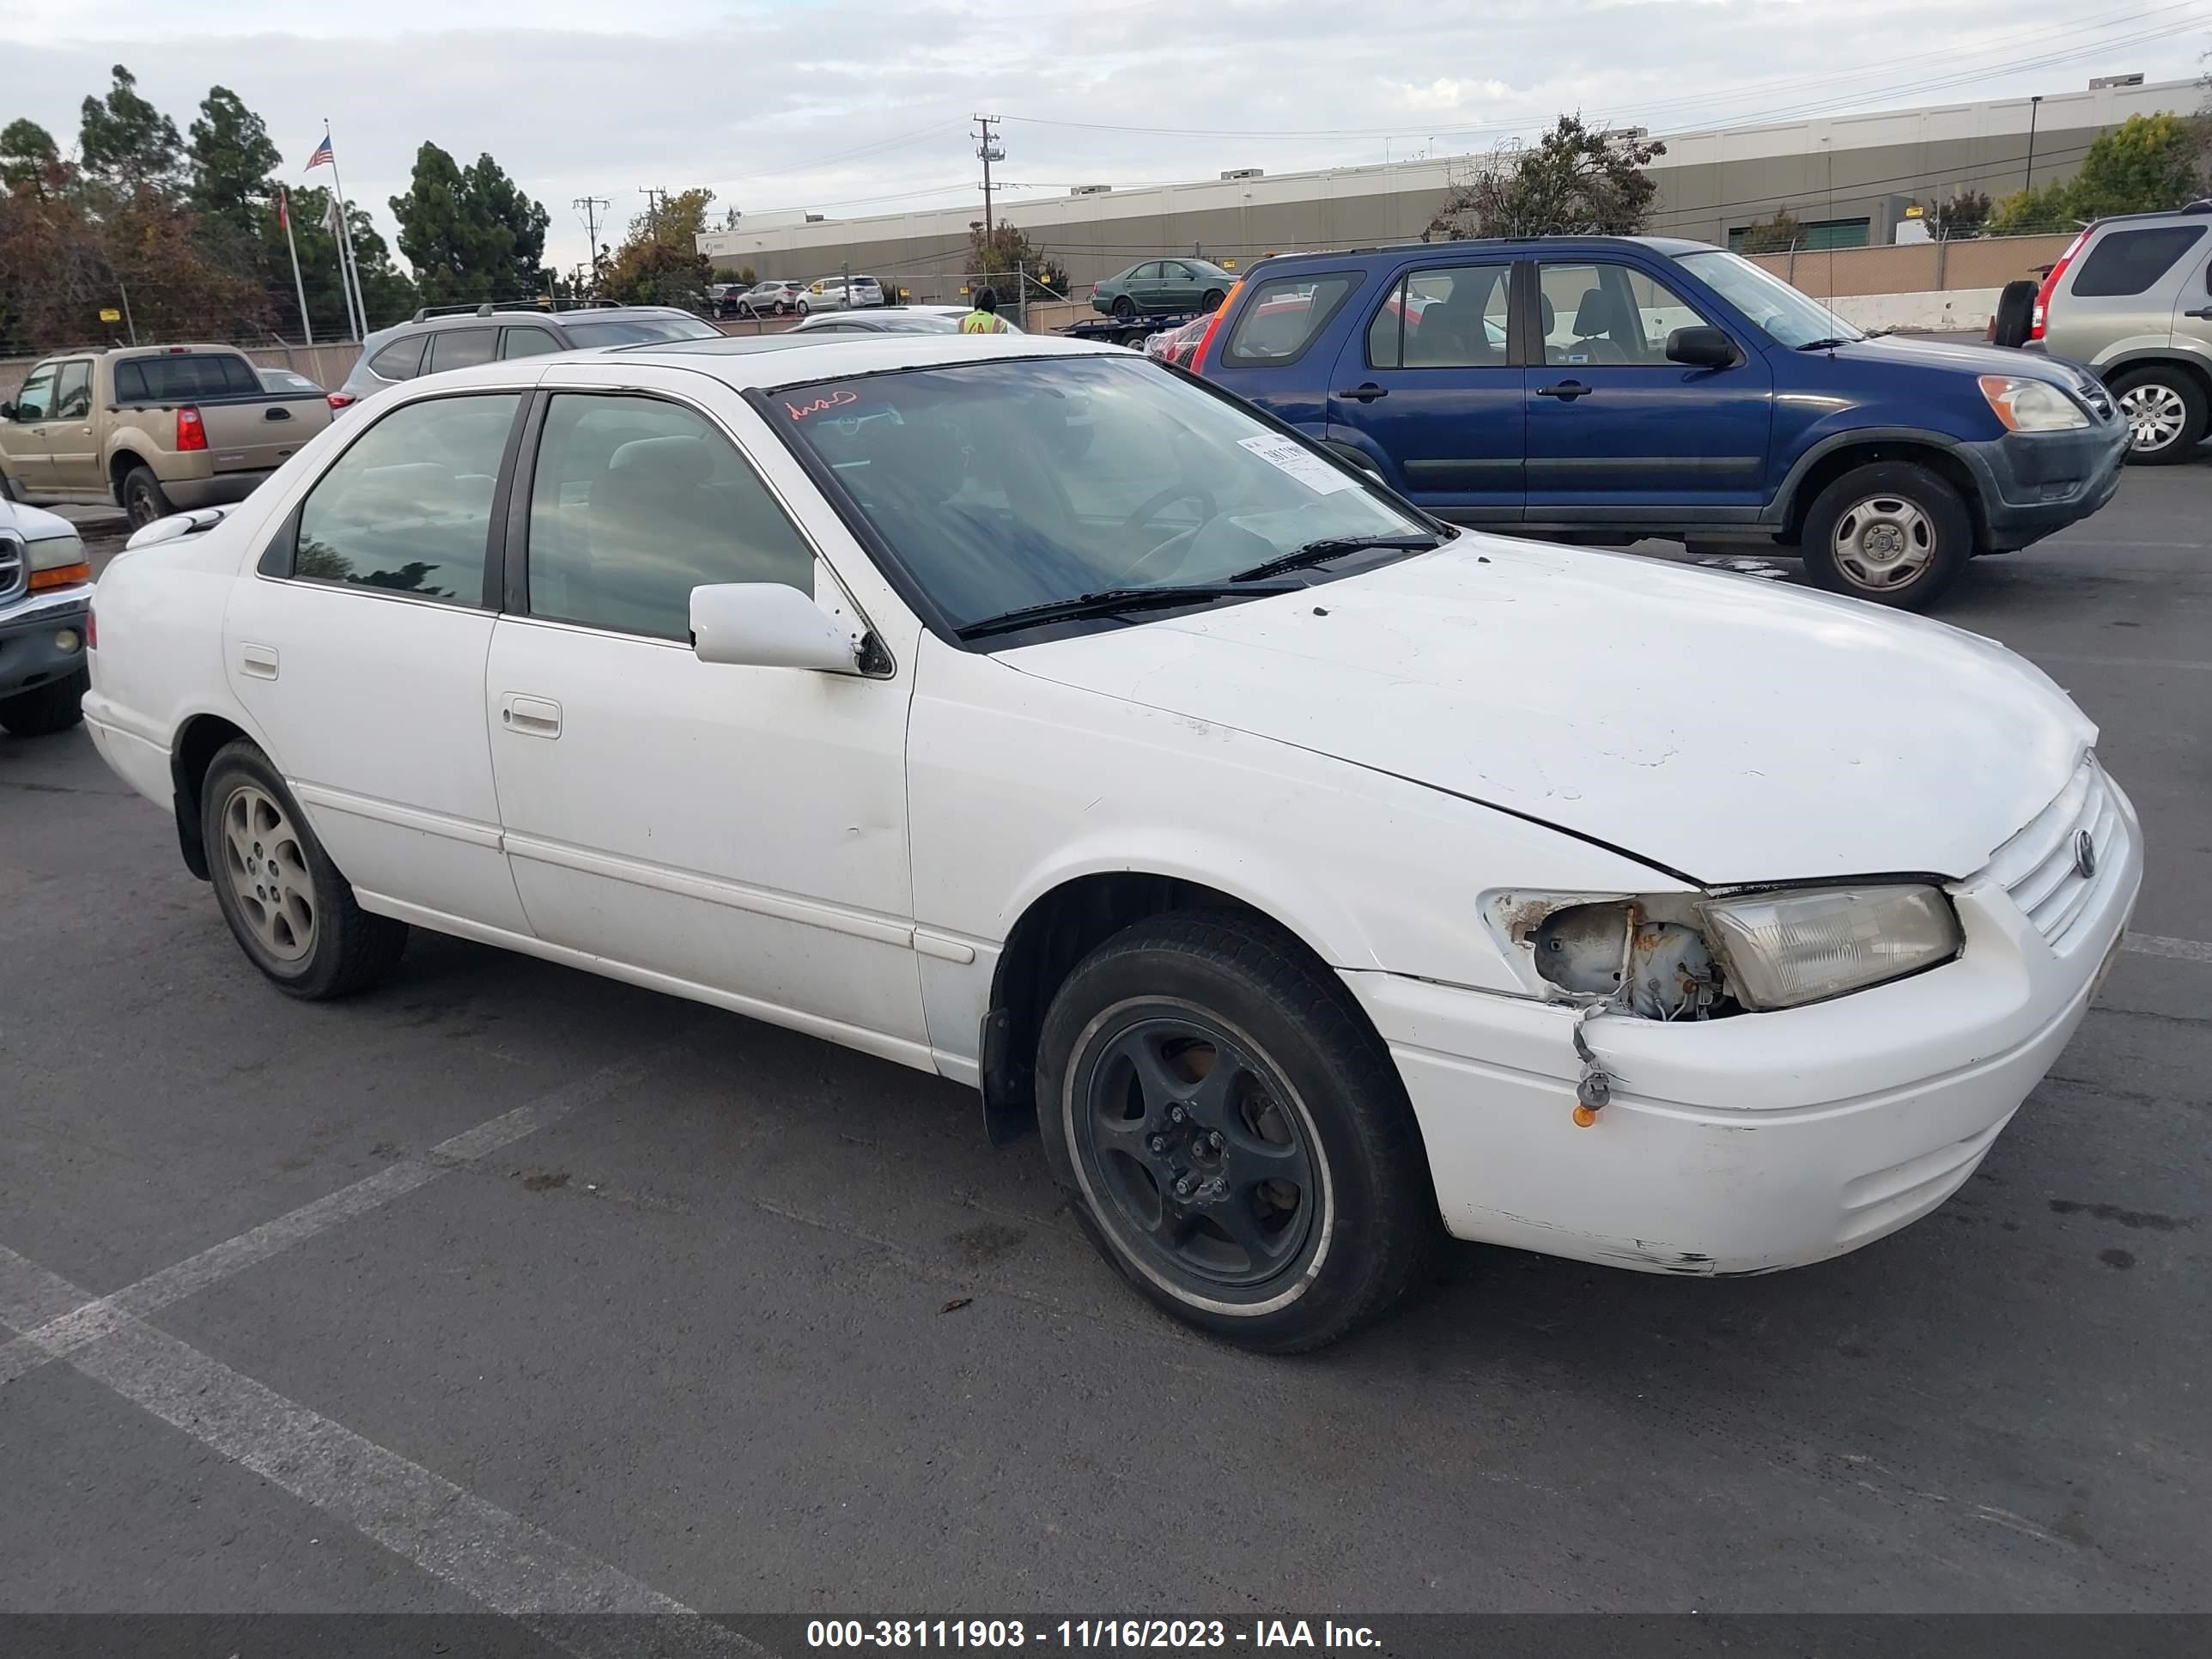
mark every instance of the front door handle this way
{"type": "Point", "coordinates": [532, 717]}
{"type": "Point", "coordinates": [276, 413]}
{"type": "Point", "coordinates": [2204, 313]}
{"type": "Point", "coordinates": [1566, 390]}
{"type": "Point", "coordinates": [1367, 392]}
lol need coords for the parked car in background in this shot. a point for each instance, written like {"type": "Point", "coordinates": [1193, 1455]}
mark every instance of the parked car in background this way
{"type": "Point", "coordinates": [45, 592]}
{"type": "Point", "coordinates": [153, 427]}
{"type": "Point", "coordinates": [2131, 297]}
{"type": "Point", "coordinates": [1605, 389]}
{"type": "Point", "coordinates": [891, 319]}
{"type": "Point", "coordinates": [1604, 979]}
{"type": "Point", "coordinates": [769, 299]}
{"type": "Point", "coordinates": [431, 342]}
{"type": "Point", "coordinates": [841, 293]}
{"type": "Point", "coordinates": [1163, 287]}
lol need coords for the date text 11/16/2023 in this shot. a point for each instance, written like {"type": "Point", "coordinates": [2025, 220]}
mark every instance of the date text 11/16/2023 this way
{"type": "Point", "coordinates": [1155, 1635]}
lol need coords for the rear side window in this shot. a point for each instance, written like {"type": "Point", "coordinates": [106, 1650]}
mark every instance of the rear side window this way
{"type": "Point", "coordinates": [1450, 319]}
{"type": "Point", "coordinates": [400, 361]}
{"type": "Point", "coordinates": [2130, 261]}
{"type": "Point", "coordinates": [461, 348]}
{"type": "Point", "coordinates": [1283, 317]}
{"type": "Point", "coordinates": [184, 376]}
{"type": "Point", "coordinates": [408, 509]}
{"type": "Point", "coordinates": [73, 396]}
{"type": "Point", "coordinates": [527, 343]}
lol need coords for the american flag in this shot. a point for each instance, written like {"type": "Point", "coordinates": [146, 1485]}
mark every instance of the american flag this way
{"type": "Point", "coordinates": [322, 157]}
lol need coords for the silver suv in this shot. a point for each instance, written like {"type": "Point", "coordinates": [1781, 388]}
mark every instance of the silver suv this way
{"type": "Point", "coordinates": [2131, 298]}
{"type": "Point", "coordinates": [455, 337]}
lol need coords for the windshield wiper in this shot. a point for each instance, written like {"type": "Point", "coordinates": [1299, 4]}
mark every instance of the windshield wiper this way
{"type": "Point", "coordinates": [1832, 342]}
{"type": "Point", "coordinates": [1332, 547]}
{"type": "Point", "coordinates": [1108, 601]}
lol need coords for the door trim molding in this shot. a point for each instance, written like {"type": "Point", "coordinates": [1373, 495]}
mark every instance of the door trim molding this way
{"type": "Point", "coordinates": [468, 830]}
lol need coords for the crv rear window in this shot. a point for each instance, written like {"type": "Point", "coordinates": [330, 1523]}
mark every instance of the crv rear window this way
{"type": "Point", "coordinates": [1283, 317]}
{"type": "Point", "coordinates": [400, 361]}
{"type": "Point", "coordinates": [2130, 261]}
{"type": "Point", "coordinates": [183, 377]}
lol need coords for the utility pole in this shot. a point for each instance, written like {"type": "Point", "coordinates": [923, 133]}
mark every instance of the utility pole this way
{"type": "Point", "coordinates": [652, 200]}
{"type": "Point", "coordinates": [990, 153]}
{"type": "Point", "coordinates": [2034, 107]}
{"type": "Point", "coordinates": [589, 206]}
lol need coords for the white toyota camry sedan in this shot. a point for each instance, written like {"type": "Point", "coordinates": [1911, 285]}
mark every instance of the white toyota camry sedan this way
{"type": "Point", "coordinates": [1323, 879]}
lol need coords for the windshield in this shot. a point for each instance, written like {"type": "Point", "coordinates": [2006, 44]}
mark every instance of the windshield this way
{"type": "Point", "coordinates": [628, 330]}
{"type": "Point", "coordinates": [1792, 318]}
{"type": "Point", "coordinates": [1006, 485]}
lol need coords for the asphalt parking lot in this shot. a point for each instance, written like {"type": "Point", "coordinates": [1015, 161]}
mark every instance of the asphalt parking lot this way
{"type": "Point", "coordinates": [507, 1286]}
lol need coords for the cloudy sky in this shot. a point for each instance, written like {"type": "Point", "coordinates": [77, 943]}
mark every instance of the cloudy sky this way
{"type": "Point", "coordinates": [852, 108]}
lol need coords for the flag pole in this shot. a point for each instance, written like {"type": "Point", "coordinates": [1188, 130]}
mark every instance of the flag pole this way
{"type": "Point", "coordinates": [356, 308]}
{"type": "Point", "coordinates": [299, 287]}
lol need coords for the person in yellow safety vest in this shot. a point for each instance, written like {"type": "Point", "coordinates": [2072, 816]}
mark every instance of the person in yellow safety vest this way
{"type": "Point", "coordinates": [985, 318]}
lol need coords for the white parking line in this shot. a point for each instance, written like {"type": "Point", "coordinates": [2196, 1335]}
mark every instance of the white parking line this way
{"type": "Point", "coordinates": [54, 1331]}
{"type": "Point", "coordinates": [2181, 949]}
{"type": "Point", "coordinates": [503, 1560]}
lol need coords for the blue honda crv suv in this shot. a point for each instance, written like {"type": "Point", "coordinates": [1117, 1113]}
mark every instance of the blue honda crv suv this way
{"type": "Point", "coordinates": [1606, 388]}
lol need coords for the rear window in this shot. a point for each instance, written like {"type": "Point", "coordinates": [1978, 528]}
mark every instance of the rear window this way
{"type": "Point", "coordinates": [2130, 261]}
{"type": "Point", "coordinates": [631, 330]}
{"type": "Point", "coordinates": [400, 361]}
{"type": "Point", "coordinates": [183, 377]}
{"type": "Point", "coordinates": [1283, 317]}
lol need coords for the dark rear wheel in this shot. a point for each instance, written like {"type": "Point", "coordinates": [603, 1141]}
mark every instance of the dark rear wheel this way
{"type": "Point", "coordinates": [143, 501]}
{"type": "Point", "coordinates": [2015, 312]}
{"type": "Point", "coordinates": [1892, 532]}
{"type": "Point", "coordinates": [1233, 1137]}
{"type": "Point", "coordinates": [2164, 409]}
{"type": "Point", "coordinates": [1124, 306]}
{"type": "Point", "coordinates": [44, 709]}
{"type": "Point", "coordinates": [290, 910]}
{"type": "Point", "coordinates": [1211, 301]}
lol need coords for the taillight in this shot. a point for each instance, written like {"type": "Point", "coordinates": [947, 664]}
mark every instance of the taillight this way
{"type": "Point", "coordinates": [2042, 312]}
{"type": "Point", "coordinates": [341, 400]}
{"type": "Point", "coordinates": [1196, 362]}
{"type": "Point", "coordinates": [192, 434]}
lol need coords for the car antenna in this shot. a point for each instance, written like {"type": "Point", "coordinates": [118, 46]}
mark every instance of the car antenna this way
{"type": "Point", "coordinates": [1831, 301]}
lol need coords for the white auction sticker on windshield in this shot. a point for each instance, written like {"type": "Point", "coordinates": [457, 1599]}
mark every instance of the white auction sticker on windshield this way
{"type": "Point", "coordinates": [1307, 468]}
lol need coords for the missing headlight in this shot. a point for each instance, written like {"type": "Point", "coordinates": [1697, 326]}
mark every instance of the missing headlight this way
{"type": "Point", "coordinates": [1616, 951]}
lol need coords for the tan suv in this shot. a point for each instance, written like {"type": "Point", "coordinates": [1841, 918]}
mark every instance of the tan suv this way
{"type": "Point", "coordinates": [2132, 299]}
{"type": "Point", "coordinates": [158, 428]}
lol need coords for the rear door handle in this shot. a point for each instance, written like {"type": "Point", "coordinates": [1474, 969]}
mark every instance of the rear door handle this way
{"type": "Point", "coordinates": [258, 660]}
{"type": "Point", "coordinates": [533, 717]}
{"type": "Point", "coordinates": [1566, 390]}
{"type": "Point", "coordinates": [2204, 313]}
{"type": "Point", "coordinates": [1366, 392]}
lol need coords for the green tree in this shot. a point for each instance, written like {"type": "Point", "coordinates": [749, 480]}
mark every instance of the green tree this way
{"type": "Point", "coordinates": [1778, 233]}
{"type": "Point", "coordinates": [658, 263]}
{"type": "Point", "coordinates": [231, 158]}
{"type": "Point", "coordinates": [1963, 217]}
{"type": "Point", "coordinates": [2146, 164]}
{"type": "Point", "coordinates": [1575, 180]}
{"type": "Point", "coordinates": [1006, 250]}
{"type": "Point", "coordinates": [28, 161]}
{"type": "Point", "coordinates": [2027, 212]}
{"type": "Point", "coordinates": [470, 233]}
{"type": "Point", "coordinates": [124, 142]}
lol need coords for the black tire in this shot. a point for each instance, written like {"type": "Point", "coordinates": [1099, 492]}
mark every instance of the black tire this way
{"type": "Point", "coordinates": [800, 306]}
{"type": "Point", "coordinates": [1212, 301]}
{"type": "Point", "coordinates": [346, 948]}
{"type": "Point", "coordinates": [143, 500]}
{"type": "Point", "coordinates": [2164, 407]}
{"type": "Point", "coordinates": [1124, 306]}
{"type": "Point", "coordinates": [46, 709]}
{"type": "Point", "coordinates": [746, 313]}
{"type": "Point", "coordinates": [1313, 1107]}
{"type": "Point", "coordinates": [2015, 312]}
{"type": "Point", "coordinates": [1930, 528]}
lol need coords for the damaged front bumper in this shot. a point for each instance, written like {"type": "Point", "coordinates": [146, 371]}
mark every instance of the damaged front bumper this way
{"type": "Point", "coordinates": [1761, 1141]}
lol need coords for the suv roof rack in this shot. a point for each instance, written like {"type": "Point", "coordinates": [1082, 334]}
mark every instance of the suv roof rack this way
{"type": "Point", "coordinates": [538, 307]}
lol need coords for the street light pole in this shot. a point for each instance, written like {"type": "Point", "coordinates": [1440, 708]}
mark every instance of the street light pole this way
{"type": "Point", "coordinates": [2034, 107]}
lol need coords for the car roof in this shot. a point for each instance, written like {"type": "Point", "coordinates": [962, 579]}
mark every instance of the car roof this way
{"type": "Point", "coordinates": [533, 314]}
{"type": "Point", "coordinates": [779, 360]}
{"type": "Point", "coordinates": [1488, 244]}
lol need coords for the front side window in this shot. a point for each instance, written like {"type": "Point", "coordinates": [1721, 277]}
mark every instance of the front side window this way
{"type": "Point", "coordinates": [461, 348]}
{"type": "Point", "coordinates": [400, 361]}
{"type": "Point", "coordinates": [36, 400]}
{"type": "Point", "coordinates": [73, 392]}
{"type": "Point", "coordinates": [2128, 261]}
{"type": "Point", "coordinates": [1788, 316]}
{"type": "Point", "coordinates": [634, 503]}
{"type": "Point", "coordinates": [1597, 314]}
{"type": "Point", "coordinates": [1450, 319]}
{"type": "Point", "coordinates": [1283, 317]}
{"type": "Point", "coordinates": [1004, 484]}
{"type": "Point", "coordinates": [407, 509]}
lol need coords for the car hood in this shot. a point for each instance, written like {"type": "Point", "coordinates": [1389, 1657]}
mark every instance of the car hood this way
{"type": "Point", "coordinates": [1959, 355]}
{"type": "Point", "coordinates": [31, 524]}
{"type": "Point", "coordinates": [1719, 726]}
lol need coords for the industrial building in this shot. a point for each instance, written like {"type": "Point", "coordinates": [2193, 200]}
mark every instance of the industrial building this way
{"type": "Point", "coordinates": [1847, 179]}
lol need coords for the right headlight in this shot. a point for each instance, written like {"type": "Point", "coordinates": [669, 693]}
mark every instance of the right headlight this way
{"type": "Point", "coordinates": [2027, 405]}
{"type": "Point", "coordinates": [1782, 949]}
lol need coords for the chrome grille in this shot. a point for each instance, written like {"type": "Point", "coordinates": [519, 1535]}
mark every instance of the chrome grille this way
{"type": "Point", "coordinates": [14, 568]}
{"type": "Point", "coordinates": [2040, 866]}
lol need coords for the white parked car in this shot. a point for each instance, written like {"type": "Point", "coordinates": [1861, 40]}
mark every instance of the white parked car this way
{"type": "Point", "coordinates": [1325, 879]}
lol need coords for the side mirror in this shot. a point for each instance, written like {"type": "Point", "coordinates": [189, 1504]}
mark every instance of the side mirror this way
{"type": "Point", "coordinates": [769, 625]}
{"type": "Point", "coordinates": [1701, 347]}
{"type": "Point", "coordinates": [7, 412]}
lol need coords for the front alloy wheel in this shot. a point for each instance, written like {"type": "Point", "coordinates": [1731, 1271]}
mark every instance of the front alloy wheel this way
{"type": "Point", "coordinates": [1883, 542]}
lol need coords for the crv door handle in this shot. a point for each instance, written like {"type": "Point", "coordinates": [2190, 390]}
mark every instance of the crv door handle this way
{"type": "Point", "coordinates": [532, 717]}
{"type": "Point", "coordinates": [2204, 313]}
{"type": "Point", "coordinates": [1366, 392]}
{"type": "Point", "coordinates": [1566, 390]}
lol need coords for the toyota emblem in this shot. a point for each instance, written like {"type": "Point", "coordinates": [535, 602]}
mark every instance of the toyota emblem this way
{"type": "Point", "coordinates": [2085, 854]}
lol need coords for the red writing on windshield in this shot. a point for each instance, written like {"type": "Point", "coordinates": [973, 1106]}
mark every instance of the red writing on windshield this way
{"type": "Point", "coordinates": [828, 400]}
